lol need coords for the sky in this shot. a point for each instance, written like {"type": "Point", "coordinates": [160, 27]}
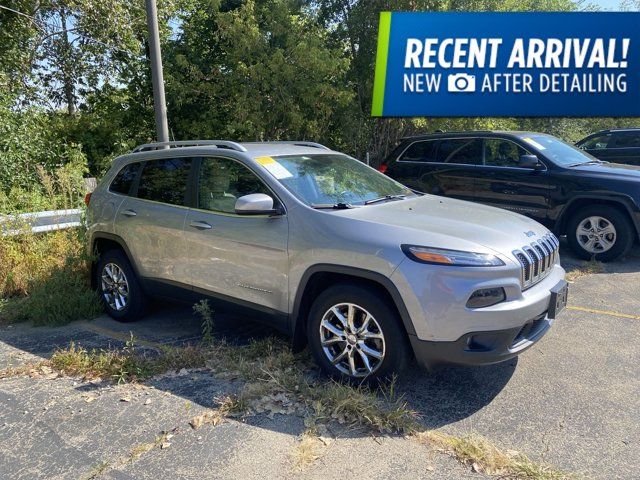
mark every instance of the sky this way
{"type": "Point", "coordinates": [606, 4]}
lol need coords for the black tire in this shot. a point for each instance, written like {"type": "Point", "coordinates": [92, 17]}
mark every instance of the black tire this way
{"type": "Point", "coordinates": [136, 304]}
{"type": "Point", "coordinates": [397, 352]}
{"type": "Point", "coordinates": [624, 232]}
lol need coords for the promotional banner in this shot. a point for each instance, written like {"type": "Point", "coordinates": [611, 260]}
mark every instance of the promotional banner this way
{"type": "Point", "coordinates": [507, 64]}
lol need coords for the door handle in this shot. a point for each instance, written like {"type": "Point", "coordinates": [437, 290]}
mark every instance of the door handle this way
{"type": "Point", "coordinates": [129, 213]}
{"type": "Point", "coordinates": [201, 225]}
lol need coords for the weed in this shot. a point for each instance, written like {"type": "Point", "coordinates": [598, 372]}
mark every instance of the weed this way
{"type": "Point", "coordinates": [587, 268]}
{"type": "Point", "coordinates": [98, 470]}
{"type": "Point", "coordinates": [203, 309]}
{"type": "Point", "coordinates": [486, 457]}
{"type": "Point", "coordinates": [125, 365]}
{"type": "Point", "coordinates": [308, 450]}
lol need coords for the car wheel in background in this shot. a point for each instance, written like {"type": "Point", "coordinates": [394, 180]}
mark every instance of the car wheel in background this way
{"type": "Point", "coordinates": [600, 232]}
{"type": "Point", "coordinates": [355, 335]}
{"type": "Point", "coordinates": [119, 288]}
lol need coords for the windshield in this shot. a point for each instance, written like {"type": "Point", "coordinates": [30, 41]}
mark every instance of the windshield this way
{"type": "Point", "coordinates": [331, 179]}
{"type": "Point", "coordinates": [555, 149]}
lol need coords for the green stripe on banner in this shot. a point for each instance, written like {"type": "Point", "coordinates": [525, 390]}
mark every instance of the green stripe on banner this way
{"type": "Point", "coordinates": [381, 64]}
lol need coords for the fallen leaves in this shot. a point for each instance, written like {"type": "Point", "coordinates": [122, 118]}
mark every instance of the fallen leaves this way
{"type": "Point", "coordinates": [213, 417]}
{"type": "Point", "coordinates": [276, 403]}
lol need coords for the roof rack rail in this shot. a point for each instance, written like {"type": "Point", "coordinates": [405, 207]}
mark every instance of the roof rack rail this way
{"type": "Point", "coordinates": [300, 143]}
{"type": "Point", "coordinates": [190, 143]}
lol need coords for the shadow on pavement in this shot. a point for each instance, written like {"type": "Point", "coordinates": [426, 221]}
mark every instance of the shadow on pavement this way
{"type": "Point", "coordinates": [442, 397]}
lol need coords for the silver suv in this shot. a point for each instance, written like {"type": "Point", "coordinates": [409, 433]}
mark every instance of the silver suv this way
{"type": "Point", "coordinates": [365, 271]}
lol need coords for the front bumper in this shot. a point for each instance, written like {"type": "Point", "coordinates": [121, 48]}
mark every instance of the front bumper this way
{"type": "Point", "coordinates": [481, 348]}
{"type": "Point", "coordinates": [436, 297]}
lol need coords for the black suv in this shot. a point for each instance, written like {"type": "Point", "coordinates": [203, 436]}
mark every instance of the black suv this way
{"type": "Point", "coordinates": [620, 145]}
{"type": "Point", "coordinates": [596, 204]}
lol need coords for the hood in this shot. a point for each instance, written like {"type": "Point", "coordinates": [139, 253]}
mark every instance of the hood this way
{"type": "Point", "coordinates": [615, 170]}
{"type": "Point", "coordinates": [448, 223]}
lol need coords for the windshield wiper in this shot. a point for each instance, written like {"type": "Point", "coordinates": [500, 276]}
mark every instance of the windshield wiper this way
{"type": "Point", "coordinates": [332, 206]}
{"type": "Point", "coordinates": [385, 198]}
{"type": "Point", "coordinates": [590, 162]}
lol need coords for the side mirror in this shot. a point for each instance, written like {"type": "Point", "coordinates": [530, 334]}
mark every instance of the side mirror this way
{"type": "Point", "coordinates": [256, 204]}
{"type": "Point", "coordinates": [529, 161]}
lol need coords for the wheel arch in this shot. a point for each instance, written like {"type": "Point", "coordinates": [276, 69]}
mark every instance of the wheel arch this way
{"type": "Point", "coordinates": [623, 204]}
{"type": "Point", "coordinates": [319, 277]}
{"type": "Point", "coordinates": [103, 242]}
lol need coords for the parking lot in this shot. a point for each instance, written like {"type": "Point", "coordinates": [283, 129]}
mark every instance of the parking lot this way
{"type": "Point", "coordinates": [572, 400]}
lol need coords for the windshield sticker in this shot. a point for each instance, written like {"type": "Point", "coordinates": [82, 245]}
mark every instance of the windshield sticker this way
{"type": "Point", "coordinates": [274, 168]}
{"type": "Point", "coordinates": [531, 141]}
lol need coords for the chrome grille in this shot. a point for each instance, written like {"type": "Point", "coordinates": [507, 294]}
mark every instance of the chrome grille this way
{"type": "Point", "coordinates": [537, 259]}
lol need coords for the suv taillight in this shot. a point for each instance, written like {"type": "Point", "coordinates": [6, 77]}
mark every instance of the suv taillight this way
{"type": "Point", "coordinates": [383, 168]}
{"type": "Point", "coordinates": [87, 199]}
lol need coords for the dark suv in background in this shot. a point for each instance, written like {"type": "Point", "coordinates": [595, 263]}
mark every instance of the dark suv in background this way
{"type": "Point", "coordinates": [596, 204]}
{"type": "Point", "coordinates": [620, 145]}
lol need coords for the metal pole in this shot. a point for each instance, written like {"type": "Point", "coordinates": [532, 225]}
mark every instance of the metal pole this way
{"type": "Point", "coordinates": [157, 79]}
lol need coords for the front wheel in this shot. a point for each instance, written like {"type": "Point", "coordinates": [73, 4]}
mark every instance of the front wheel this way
{"type": "Point", "coordinates": [600, 233]}
{"type": "Point", "coordinates": [355, 335]}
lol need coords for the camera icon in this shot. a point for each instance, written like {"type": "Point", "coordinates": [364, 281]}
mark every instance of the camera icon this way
{"type": "Point", "coordinates": [461, 82]}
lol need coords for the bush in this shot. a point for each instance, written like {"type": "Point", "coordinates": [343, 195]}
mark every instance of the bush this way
{"type": "Point", "coordinates": [45, 279]}
{"type": "Point", "coordinates": [60, 187]}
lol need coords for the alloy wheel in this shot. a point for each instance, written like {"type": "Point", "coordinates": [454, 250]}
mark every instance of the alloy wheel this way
{"type": "Point", "coordinates": [596, 234]}
{"type": "Point", "coordinates": [352, 340]}
{"type": "Point", "coordinates": [115, 287]}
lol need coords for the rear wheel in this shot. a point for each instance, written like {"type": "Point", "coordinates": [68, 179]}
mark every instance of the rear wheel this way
{"type": "Point", "coordinates": [119, 288]}
{"type": "Point", "coordinates": [600, 232]}
{"type": "Point", "coordinates": [355, 335]}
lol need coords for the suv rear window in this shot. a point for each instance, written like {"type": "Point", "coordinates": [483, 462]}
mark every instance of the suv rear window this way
{"type": "Point", "coordinates": [466, 151]}
{"type": "Point", "coordinates": [165, 180]}
{"type": "Point", "coordinates": [420, 152]}
{"type": "Point", "coordinates": [124, 179]}
{"type": "Point", "coordinates": [625, 140]}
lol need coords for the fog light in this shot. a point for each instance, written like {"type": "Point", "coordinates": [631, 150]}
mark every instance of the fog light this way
{"type": "Point", "coordinates": [485, 297]}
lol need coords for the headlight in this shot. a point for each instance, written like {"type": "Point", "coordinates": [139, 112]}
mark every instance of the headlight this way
{"type": "Point", "coordinates": [442, 256]}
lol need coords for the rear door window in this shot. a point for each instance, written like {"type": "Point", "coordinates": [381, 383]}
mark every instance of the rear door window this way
{"type": "Point", "coordinates": [165, 180]}
{"type": "Point", "coordinates": [467, 151]}
{"type": "Point", "coordinates": [421, 152]}
{"type": "Point", "coordinates": [124, 179]}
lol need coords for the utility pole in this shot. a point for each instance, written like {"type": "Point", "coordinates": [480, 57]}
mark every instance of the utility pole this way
{"type": "Point", "coordinates": [157, 79]}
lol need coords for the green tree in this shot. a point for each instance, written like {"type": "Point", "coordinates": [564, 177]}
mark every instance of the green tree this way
{"type": "Point", "coordinates": [253, 70]}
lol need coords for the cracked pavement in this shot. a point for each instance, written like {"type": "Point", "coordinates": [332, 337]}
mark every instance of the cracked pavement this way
{"type": "Point", "coordinates": [572, 400]}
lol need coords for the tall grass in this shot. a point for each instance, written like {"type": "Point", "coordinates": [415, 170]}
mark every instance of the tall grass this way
{"type": "Point", "coordinates": [45, 277]}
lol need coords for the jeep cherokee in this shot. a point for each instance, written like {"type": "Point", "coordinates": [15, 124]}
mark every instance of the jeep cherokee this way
{"type": "Point", "coordinates": [365, 271]}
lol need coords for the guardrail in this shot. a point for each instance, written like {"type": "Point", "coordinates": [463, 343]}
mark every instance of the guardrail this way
{"type": "Point", "coordinates": [39, 222]}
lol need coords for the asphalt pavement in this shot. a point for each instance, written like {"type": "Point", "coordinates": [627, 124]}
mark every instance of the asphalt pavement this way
{"type": "Point", "coordinates": [572, 400]}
